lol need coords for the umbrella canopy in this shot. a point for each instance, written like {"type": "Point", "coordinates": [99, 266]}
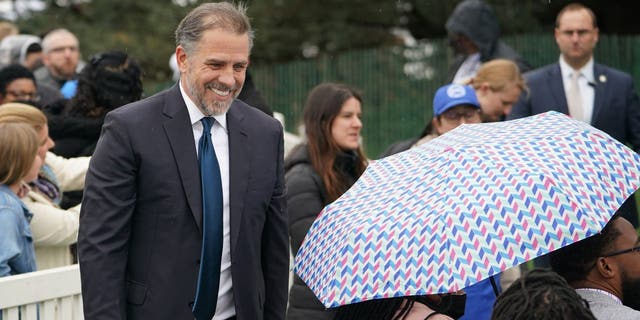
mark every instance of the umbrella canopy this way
{"type": "Point", "coordinates": [467, 205]}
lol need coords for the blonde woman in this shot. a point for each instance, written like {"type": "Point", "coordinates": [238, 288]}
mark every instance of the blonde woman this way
{"type": "Point", "coordinates": [498, 85]}
{"type": "Point", "coordinates": [54, 229]}
{"type": "Point", "coordinates": [20, 164]}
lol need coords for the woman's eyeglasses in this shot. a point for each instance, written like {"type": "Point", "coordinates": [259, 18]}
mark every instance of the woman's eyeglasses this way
{"type": "Point", "coordinates": [459, 114]}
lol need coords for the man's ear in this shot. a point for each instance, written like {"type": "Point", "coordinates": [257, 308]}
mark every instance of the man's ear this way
{"type": "Point", "coordinates": [606, 268]}
{"type": "Point", "coordinates": [181, 59]}
{"type": "Point", "coordinates": [45, 59]}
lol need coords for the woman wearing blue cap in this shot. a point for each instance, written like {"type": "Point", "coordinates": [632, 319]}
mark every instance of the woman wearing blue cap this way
{"type": "Point", "coordinates": [453, 105]}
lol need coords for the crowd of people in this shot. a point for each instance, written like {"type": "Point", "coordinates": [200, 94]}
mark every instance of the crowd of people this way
{"type": "Point", "coordinates": [184, 205]}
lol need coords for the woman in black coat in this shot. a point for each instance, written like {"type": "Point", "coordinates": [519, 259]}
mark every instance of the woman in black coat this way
{"type": "Point", "coordinates": [319, 171]}
{"type": "Point", "coordinates": [111, 79]}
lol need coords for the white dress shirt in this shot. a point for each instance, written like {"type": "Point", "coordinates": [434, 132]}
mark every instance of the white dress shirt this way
{"type": "Point", "coordinates": [225, 307]}
{"type": "Point", "coordinates": [586, 83]}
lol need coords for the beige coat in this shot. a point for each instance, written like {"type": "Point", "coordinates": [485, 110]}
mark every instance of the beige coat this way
{"type": "Point", "coordinates": [55, 229]}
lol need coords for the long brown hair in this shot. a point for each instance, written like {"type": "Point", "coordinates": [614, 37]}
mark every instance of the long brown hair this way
{"type": "Point", "coordinates": [322, 107]}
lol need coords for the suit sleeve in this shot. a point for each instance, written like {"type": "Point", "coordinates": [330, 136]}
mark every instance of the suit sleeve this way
{"type": "Point", "coordinates": [105, 222]}
{"type": "Point", "coordinates": [633, 118]}
{"type": "Point", "coordinates": [275, 245]}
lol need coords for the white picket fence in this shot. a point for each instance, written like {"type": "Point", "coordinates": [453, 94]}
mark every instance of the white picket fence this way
{"type": "Point", "coordinates": [52, 294]}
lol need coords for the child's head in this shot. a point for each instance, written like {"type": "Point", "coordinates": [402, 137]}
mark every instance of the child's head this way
{"type": "Point", "coordinates": [18, 151]}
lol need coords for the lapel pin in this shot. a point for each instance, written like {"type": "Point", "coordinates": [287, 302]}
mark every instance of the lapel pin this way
{"type": "Point", "coordinates": [602, 78]}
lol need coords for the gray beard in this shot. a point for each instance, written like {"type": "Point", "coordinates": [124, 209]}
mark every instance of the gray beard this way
{"type": "Point", "coordinates": [209, 109]}
{"type": "Point", "coordinates": [214, 109]}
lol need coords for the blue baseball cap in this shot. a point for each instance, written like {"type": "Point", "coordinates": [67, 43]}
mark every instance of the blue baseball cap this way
{"type": "Point", "coordinates": [453, 95]}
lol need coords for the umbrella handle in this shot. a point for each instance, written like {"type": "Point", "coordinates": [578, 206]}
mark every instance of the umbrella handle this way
{"type": "Point", "coordinates": [494, 285]}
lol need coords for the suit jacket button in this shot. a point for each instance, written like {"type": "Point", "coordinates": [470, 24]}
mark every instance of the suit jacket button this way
{"type": "Point", "coordinates": [191, 304]}
{"type": "Point", "coordinates": [198, 261]}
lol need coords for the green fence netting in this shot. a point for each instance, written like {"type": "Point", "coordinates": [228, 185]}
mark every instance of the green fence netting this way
{"type": "Point", "coordinates": [398, 83]}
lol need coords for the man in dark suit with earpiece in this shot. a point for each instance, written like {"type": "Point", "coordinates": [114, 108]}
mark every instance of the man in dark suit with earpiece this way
{"type": "Point", "coordinates": [587, 91]}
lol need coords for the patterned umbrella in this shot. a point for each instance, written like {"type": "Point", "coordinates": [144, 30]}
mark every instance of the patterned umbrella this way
{"type": "Point", "coordinates": [465, 206]}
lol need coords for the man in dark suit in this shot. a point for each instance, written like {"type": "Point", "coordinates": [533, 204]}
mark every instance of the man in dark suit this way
{"type": "Point", "coordinates": [146, 201]}
{"type": "Point", "coordinates": [602, 96]}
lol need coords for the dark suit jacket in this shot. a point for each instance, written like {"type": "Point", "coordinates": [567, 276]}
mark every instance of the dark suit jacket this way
{"type": "Point", "coordinates": [140, 225]}
{"type": "Point", "coordinates": [616, 109]}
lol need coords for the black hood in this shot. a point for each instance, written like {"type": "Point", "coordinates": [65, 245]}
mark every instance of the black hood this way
{"type": "Point", "coordinates": [477, 21]}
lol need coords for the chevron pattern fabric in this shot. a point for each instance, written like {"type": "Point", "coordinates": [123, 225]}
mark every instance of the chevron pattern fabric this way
{"type": "Point", "coordinates": [465, 206]}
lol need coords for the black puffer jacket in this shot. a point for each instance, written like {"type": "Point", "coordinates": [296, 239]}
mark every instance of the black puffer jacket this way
{"type": "Point", "coordinates": [306, 196]}
{"type": "Point", "coordinates": [75, 136]}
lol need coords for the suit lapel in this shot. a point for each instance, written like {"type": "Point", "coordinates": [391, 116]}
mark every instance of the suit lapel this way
{"type": "Point", "coordinates": [600, 91]}
{"type": "Point", "coordinates": [238, 168]}
{"type": "Point", "coordinates": [556, 87]}
{"type": "Point", "coordinates": [180, 135]}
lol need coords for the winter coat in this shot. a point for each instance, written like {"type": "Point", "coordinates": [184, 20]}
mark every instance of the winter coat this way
{"type": "Point", "coordinates": [74, 135]}
{"type": "Point", "coordinates": [306, 196]}
{"type": "Point", "coordinates": [53, 228]}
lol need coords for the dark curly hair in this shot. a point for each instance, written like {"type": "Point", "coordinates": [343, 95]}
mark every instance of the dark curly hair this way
{"type": "Point", "coordinates": [111, 79]}
{"type": "Point", "coordinates": [541, 294]}
{"type": "Point", "coordinates": [575, 261]}
{"type": "Point", "coordinates": [13, 72]}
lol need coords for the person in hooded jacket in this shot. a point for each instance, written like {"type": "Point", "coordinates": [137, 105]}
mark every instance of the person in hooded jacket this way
{"type": "Point", "coordinates": [474, 35]}
{"type": "Point", "coordinates": [24, 49]}
{"type": "Point", "coordinates": [318, 171]}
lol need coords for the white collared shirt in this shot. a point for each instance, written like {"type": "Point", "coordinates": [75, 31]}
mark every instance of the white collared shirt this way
{"type": "Point", "coordinates": [219, 133]}
{"type": "Point", "coordinates": [586, 83]}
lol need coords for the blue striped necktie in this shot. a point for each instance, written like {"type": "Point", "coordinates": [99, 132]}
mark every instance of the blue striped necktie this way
{"type": "Point", "coordinates": [204, 306]}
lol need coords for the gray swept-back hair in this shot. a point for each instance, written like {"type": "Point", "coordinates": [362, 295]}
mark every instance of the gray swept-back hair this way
{"type": "Point", "coordinates": [209, 16]}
